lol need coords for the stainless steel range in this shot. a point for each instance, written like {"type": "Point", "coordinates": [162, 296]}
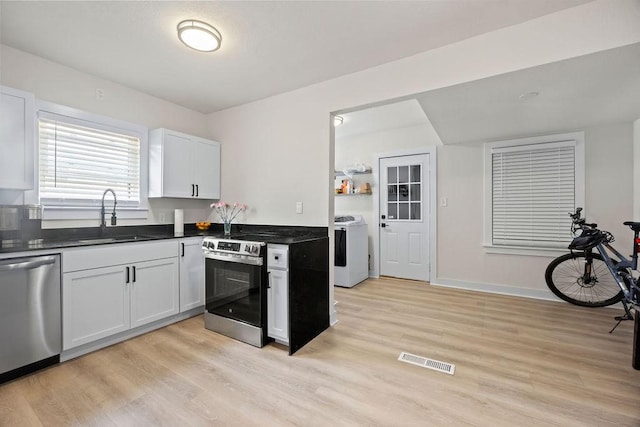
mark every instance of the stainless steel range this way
{"type": "Point", "coordinates": [235, 288]}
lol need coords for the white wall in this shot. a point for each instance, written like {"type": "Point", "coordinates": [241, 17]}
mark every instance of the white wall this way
{"type": "Point", "coordinates": [362, 148]}
{"type": "Point", "coordinates": [56, 83]}
{"type": "Point", "coordinates": [462, 261]}
{"type": "Point", "coordinates": [281, 148]}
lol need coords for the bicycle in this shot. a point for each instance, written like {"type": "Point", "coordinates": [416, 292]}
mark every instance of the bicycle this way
{"type": "Point", "coordinates": [594, 274]}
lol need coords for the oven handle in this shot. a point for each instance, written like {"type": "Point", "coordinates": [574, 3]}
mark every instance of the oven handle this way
{"type": "Point", "coordinates": [240, 260]}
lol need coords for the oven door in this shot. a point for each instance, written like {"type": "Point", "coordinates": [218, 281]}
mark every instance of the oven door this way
{"type": "Point", "coordinates": [233, 287]}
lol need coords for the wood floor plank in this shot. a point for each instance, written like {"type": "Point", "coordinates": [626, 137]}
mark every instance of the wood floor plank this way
{"type": "Point", "coordinates": [518, 362]}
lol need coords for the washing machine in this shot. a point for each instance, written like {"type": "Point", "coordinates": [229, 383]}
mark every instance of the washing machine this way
{"type": "Point", "coordinates": [351, 250]}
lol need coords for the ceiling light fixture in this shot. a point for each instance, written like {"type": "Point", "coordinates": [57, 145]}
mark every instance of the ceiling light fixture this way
{"type": "Point", "coordinates": [337, 120]}
{"type": "Point", "coordinates": [199, 35]}
{"type": "Point", "coordinates": [528, 96]}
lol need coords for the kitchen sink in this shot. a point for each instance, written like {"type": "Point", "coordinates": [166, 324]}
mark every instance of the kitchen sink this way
{"type": "Point", "coordinates": [131, 238]}
{"type": "Point", "coordinates": [102, 240]}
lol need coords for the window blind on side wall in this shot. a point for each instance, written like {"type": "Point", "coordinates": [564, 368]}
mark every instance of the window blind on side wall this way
{"type": "Point", "coordinates": [533, 189]}
{"type": "Point", "coordinates": [77, 164]}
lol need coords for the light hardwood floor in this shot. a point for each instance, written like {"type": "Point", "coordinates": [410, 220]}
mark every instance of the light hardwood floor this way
{"type": "Point", "coordinates": [518, 362]}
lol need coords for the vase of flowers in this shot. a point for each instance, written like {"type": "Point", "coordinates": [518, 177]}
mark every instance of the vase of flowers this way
{"type": "Point", "coordinates": [227, 213]}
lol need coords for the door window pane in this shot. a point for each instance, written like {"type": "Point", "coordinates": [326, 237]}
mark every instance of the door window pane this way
{"type": "Point", "coordinates": [403, 210]}
{"type": "Point", "coordinates": [392, 211]}
{"type": "Point", "coordinates": [392, 174]}
{"type": "Point", "coordinates": [415, 210]}
{"type": "Point", "coordinates": [403, 174]}
{"type": "Point", "coordinates": [415, 173]}
{"type": "Point", "coordinates": [392, 193]}
{"type": "Point", "coordinates": [415, 192]}
{"type": "Point", "coordinates": [403, 192]}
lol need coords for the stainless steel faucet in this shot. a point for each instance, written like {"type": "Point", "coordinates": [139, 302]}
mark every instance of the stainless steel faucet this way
{"type": "Point", "coordinates": [103, 224]}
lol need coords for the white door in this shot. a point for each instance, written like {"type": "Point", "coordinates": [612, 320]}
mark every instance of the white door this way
{"type": "Point", "coordinates": [191, 274]}
{"type": "Point", "coordinates": [404, 216]}
{"type": "Point", "coordinates": [95, 304]}
{"type": "Point", "coordinates": [206, 167]}
{"type": "Point", "coordinates": [178, 167]}
{"type": "Point", "coordinates": [278, 306]}
{"type": "Point", "coordinates": [154, 290]}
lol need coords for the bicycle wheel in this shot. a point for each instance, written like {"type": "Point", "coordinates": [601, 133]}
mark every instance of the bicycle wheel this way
{"type": "Point", "coordinates": [566, 278]}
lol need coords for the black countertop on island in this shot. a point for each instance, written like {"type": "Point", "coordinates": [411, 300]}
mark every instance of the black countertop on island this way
{"type": "Point", "coordinates": [58, 238]}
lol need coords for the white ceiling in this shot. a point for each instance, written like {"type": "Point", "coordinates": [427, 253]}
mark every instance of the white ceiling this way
{"type": "Point", "coordinates": [390, 116]}
{"type": "Point", "coordinates": [574, 94]}
{"type": "Point", "coordinates": [268, 47]}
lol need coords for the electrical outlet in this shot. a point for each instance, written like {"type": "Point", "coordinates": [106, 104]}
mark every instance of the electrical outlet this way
{"type": "Point", "coordinates": [100, 94]}
{"type": "Point", "coordinates": [298, 207]}
{"type": "Point", "coordinates": [161, 217]}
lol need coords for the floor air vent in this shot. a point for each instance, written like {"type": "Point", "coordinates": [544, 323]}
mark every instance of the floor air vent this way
{"type": "Point", "coordinates": [436, 365]}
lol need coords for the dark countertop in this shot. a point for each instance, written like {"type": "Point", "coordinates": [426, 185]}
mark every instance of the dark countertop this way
{"type": "Point", "coordinates": [76, 237]}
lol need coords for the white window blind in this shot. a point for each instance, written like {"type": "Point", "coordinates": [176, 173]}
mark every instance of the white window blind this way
{"type": "Point", "coordinates": [78, 163]}
{"type": "Point", "coordinates": [533, 189]}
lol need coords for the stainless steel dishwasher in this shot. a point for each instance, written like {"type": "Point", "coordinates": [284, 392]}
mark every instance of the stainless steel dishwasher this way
{"type": "Point", "coordinates": [30, 314]}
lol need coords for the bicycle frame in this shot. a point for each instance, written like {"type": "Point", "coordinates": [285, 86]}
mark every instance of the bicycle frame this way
{"type": "Point", "coordinates": [624, 265]}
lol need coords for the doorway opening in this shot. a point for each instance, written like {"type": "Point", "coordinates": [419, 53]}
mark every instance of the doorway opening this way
{"type": "Point", "coordinates": [363, 140]}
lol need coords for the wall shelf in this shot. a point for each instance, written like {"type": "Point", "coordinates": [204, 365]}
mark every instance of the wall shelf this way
{"type": "Point", "coordinates": [353, 194]}
{"type": "Point", "coordinates": [341, 173]}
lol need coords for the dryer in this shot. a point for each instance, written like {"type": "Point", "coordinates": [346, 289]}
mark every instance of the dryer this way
{"type": "Point", "coordinates": [351, 250]}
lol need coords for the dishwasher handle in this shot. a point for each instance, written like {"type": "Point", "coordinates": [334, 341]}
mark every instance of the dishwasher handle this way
{"type": "Point", "coordinates": [28, 265]}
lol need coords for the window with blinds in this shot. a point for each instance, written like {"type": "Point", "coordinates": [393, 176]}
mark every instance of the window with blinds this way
{"type": "Point", "coordinates": [533, 189]}
{"type": "Point", "coordinates": [77, 163]}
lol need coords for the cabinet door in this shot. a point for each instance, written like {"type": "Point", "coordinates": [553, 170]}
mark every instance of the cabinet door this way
{"type": "Point", "coordinates": [17, 121]}
{"type": "Point", "coordinates": [177, 174]}
{"type": "Point", "coordinates": [191, 274]}
{"type": "Point", "coordinates": [154, 290]}
{"type": "Point", "coordinates": [206, 166]}
{"type": "Point", "coordinates": [278, 306]}
{"type": "Point", "coordinates": [95, 305]}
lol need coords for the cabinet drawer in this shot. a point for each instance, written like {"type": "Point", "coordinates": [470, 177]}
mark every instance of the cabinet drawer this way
{"type": "Point", "coordinates": [85, 258]}
{"type": "Point", "coordinates": [278, 256]}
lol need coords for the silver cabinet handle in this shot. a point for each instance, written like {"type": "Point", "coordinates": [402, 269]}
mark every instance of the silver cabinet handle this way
{"type": "Point", "coordinates": [28, 265]}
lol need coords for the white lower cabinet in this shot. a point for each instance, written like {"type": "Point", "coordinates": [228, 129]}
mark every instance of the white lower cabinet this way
{"type": "Point", "coordinates": [278, 293]}
{"type": "Point", "coordinates": [191, 273]}
{"type": "Point", "coordinates": [103, 295]}
{"type": "Point", "coordinates": [95, 305]}
{"type": "Point", "coordinates": [154, 291]}
{"type": "Point", "coordinates": [278, 306]}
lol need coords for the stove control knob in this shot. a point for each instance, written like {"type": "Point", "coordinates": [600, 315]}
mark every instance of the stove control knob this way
{"type": "Point", "coordinates": [252, 249]}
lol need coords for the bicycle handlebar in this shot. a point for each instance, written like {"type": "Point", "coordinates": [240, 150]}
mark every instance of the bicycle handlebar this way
{"type": "Point", "coordinates": [580, 222]}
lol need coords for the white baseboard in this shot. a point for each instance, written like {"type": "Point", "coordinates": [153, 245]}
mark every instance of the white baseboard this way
{"type": "Point", "coordinates": [544, 294]}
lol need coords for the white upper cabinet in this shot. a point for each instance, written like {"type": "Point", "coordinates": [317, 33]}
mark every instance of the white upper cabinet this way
{"type": "Point", "coordinates": [17, 124]}
{"type": "Point", "coordinates": [183, 166]}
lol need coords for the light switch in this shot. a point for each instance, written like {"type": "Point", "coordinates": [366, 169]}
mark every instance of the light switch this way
{"type": "Point", "coordinates": [443, 202]}
{"type": "Point", "coordinates": [298, 207]}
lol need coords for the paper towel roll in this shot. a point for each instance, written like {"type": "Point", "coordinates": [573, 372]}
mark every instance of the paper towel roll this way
{"type": "Point", "coordinates": [178, 222]}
